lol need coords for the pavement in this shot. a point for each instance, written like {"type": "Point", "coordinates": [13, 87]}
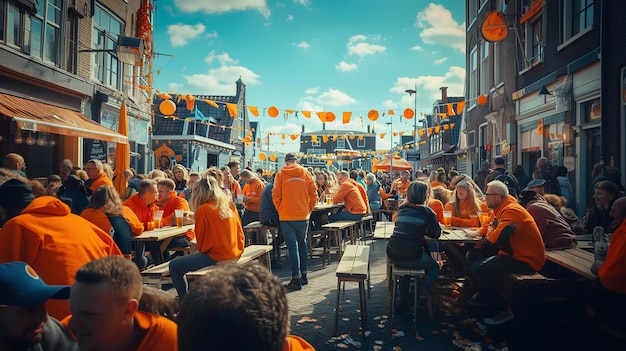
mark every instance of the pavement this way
{"type": "Point", "coordinates": [455, 324]}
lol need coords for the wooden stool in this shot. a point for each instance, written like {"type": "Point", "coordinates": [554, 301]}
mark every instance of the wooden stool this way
{"type": "Point", "coordinates": [354, 267]}
{"type": "Point", "coordinates": [369, 220]}
{"type": "Point", "coordinates": [415, 274]}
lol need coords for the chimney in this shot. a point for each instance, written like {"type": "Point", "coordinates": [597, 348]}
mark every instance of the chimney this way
{"type": "Point", "coordinates": [369, 128]}
{"type": "Point", "coordinates": [444, 94]}
{"type": "Point", "coordinates": [302, 129]}
{"type": "Point", "coordinates": [323, 126]}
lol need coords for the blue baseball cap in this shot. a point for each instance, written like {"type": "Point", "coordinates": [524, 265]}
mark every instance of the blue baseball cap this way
{"type": "Point", "coordinates": [22, 286]}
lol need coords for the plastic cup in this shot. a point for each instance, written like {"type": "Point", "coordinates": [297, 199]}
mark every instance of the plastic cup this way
{"type": "Point", "coordinates": [483, 217]}
{"type": "Point", "coordinates": [329, 199]}
{"type": "Point", "coordinates": [179, 218]}
{"type": "Point", "coordinates": [158, 216]}
{"type": "Point", "coordinates": [447, 219]}
{"type": "Point", "coordinates": [150, 225]}
{"type": "Point", "coordinates": [474, 218]}
{"type": "Point", "coordinates": [240, 198]}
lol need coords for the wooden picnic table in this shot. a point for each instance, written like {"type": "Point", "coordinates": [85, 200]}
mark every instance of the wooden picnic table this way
{"type": "Point", "coordinates": [383, 230]}
{"type": "Point", "coordinates": [458, 236]}
{"type": "Point", "coordinates": [163, 235]}
{"type": "Point", "coordinates": [575, 259]}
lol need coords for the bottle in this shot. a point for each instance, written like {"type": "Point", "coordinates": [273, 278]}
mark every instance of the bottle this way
{"type": "Point", "coordinates": [600, 245]}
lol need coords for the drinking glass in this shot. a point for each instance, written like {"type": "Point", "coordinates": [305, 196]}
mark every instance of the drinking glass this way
{"type": "Point", "coordinates": [329, 199]}
{"type": "Point", "coordinates": [158, 216]}
{"type": "Point", "coordinates": [447, 219]}
{"type": "Point", "coordinates": [179, 218]}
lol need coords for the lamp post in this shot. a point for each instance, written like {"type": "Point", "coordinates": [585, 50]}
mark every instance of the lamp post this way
{"type": "Point", "coordinates": [390, 150]}
{"type": "Point", "coordinates": [415, 145]}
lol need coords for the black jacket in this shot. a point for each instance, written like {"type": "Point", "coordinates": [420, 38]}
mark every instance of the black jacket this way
{"type": "Point", "coordinates": [413, 223]}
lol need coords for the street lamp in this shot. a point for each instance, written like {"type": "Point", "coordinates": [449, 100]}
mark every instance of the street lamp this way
{"type": "Point", "coordinates": [411, 92]}
{"type": "Point", "coordinates": [390, 150]}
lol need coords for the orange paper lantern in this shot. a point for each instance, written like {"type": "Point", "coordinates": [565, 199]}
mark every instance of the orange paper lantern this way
{"type": "Point", "coordinates": [272, 157]}
{"type": "Point", "coordinates": [372, 115]}
{"type": "Point", "coordinates": [272, 111]}
{"type": "Point", "coordinates": [329, 163]}
{"type": "Point", "coordinates": [262, 156]}
{"type": "Point", "coordinates": [330, 117]}
{"type": "Point", "coordinates": [167, 107]}
{"type": "Point", "coordinates": [482, 99]}
{"type": "Point", "coordinates": [408, 113]}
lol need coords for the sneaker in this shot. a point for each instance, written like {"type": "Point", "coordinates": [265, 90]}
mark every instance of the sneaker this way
{"type": "Point", "coordinates": [294, 284]}
{"type": "Point", "coordinates": [500, 317]}
{"type": "Point", "coordinates": [304, 280]}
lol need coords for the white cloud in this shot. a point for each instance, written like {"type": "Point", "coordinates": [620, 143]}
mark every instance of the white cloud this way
{"type": "Point", "coordinates": [219, 6]}
{"type": "Point", "coordinates": [440, 28]}
{"type": "Point", "coordinates": [180, 34]}
{"type": "Point", "coordinates": [440, 61]}
{"type": "Point", "coordinates": [365, 49]}
{"type": "Point", "coordinates": [303, 45]}
{"type": "Point", "coordinates": [305, 3]}
{"type": "Point", "coordinates": [356, 38]}
{"type": "Point", "coordinates": [174, 87]}
{"type": "Point", "coordinates": [343, 66]}
{"type": "Point", "coordinates": [416, 48]}
{"type": "Point", "coordinates": [220, 81]}
{"type": "Point", "coordinates": [311, 91]}
{"type": "Point", "coordinates": [222, 59]}
{"type": "Point", "coordinates": [289, 18]}
{"type": "Point", "coordinates": [390, 104]}
{"type": "Point", "coordinates": [334, 97]}
{"type": "Point", "coordinates": [428, 87]}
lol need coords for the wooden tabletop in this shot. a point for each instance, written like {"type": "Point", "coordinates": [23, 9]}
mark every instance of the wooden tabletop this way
{"type": "Point", "coordinates": [163, 233]}
{"type": "Point", "coordinates": [383, 230]}
{"type": "Point", "coordinates": [458, 235]}
{"type": "Point", "coordinates": [576, 260]}
{"type": "Point", "coordinates": [326, 207]}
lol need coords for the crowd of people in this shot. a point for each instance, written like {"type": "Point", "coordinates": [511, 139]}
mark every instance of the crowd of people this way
{"type": "Point", "coordinates": [77, 232]}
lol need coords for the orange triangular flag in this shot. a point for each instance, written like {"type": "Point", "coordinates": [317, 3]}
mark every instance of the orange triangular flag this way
{"type": "Point", "coordinates": [437, 128]}
{"type": "Point", "coordinates": [282, 136]}
{"type": "Point", "coordinates": [345, 116]}
{"type": "Point", "coordinates": [382, 135]}
{"type": "Point", "coordinates": [420, 132]}
{"type": "Point", "coordinates": [451, 125]}
{"type": "Point", "coordinates": [390, 112]}
{"type": "Point", "coordinates": [289, 111]}
{"type": "Point", "coordinates": [232, 110]}
{"type": "Point", "coordinates": [254, 110]}
{"type": "Point", "coordinates": [306, 114]}
{"type": "Point", "coordinates": [360, 137]}
{"type": "Point", "coordinates": [314, 138]}
{"type": "Point", "coordinates": [450, 109]}
{"type": "Point", "coordinates": [430, 130]}
{"type": "Point", "coordinates": [459, 107]}
{"type": "Point", "coordinates": [322, 116]}
{"type": "Point", "coordinates": [325, 138]}
{"type": "Point", "coordinates": [212, 103]}
{"type": "Point", "coordinates": [395, 133]}
{"type": "Point", "coordinates": [335, 137]}
{"type": "Point", "coordinates": [445, 127]}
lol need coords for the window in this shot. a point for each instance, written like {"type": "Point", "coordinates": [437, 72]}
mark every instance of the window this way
{"type": "Point", "coordinates": [45, 31]}
{"type": "Point", "coordinates": [316, 143]}
{"type": "Point", "coordinates": [473, 77]}
{"type": "Point", "coordinates": [106, 29]}
{"type": "Point", "coordinates": [341, 143]}
{"type": "Point", "coordinates": [534, 41]}
{"type": "Point", "coordinates": [578, 16]}
{"type": "Point", "coordinates": [313, 159]}
{"type": "Point", "coordinates": [360, 142]}
{"type": "Point", "coordinates": [470, 138]}
{"type": "Point", "coordinates": [484, 67]}
{"type": "Point", "coordinates": [472, 10]}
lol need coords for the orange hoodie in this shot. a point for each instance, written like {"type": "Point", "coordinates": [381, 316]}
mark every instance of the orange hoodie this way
{"type": "Point", "coordinates": [363, 193]}
{"type": "Point", "coordinates": [296, 343]}
{"type": "Point", "coordinates": [100, 219]}
{"type": "Point", "coordinates": [294, 193]}
{"type": "Point", "coordinates": [437, 207]}
{"type": "Point", "coordinates": [351, 197]}
{"type": "Point", "coordinates": [526, 242]}
{"type": "Point", "coordinates": [254, 191]}
{"type": "Point", "coordinates": [401, 187]}
{"type": "Point", "coordinates": [220, 238]}
{"type": "Point", "coordinates": [101, 180]}
{"type": "Point", "coordinates": [144, 212]}
{"type": "Point", "coordinates": [612, 273]}
{"type": "Point", "coordinates": [462, 219]}
{"type": "Point", "coordinates": [175, 203]}
{"type": "Point", "coordinates": [55, 242]}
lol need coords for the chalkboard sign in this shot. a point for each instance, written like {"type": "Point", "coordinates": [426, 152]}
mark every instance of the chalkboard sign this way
{"type": "Point", "coordinates": [95, 150]}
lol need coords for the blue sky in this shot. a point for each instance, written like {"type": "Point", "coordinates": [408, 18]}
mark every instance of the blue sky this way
{"type": "Point", "coordinates": [313, 55]}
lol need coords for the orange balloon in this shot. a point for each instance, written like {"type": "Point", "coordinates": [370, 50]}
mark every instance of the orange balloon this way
{"type": "Point", "coordinates": [167, 107]}
{"type": "Point", "coordinates": [293, 136]}
{"type": "Point", "coordinates": [329, 162]}
{"type": "Point", "coordinates": [372, 115]}
{"type": "Point", "coordinates": [272, 111]}
{"type": "Point", "coordinates": [482, 99]}
{"type": "Point", "coordinates": [262, 156]}
{"type": "Point", "coordinates": [330, 117]}
{"type": "Point", "coordinates": [247, 139]}
{"type": "Point", "coordinates": [272, 157]}
{"type": "Point", "coordinates": [408, 113]}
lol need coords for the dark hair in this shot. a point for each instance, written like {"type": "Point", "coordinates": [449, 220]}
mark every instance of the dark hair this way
{"type": "Point", "coordinates": [561, 171]}
{"type": "Point", "coordinates": [417, 192]}
{"type": "Point", "coordinates": [232, 300]}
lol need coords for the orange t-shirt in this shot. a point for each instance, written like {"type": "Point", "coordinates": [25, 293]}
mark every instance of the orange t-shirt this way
{"type": "Point", "coordinates": [99, 218]}
{"type": "Point", "coordinates": [462, 219]}
{"type": "Point", "coordinates": [220, 238]}
{"type": "Point", "coordinates": [296, 343]}
{"type": "Point", "coordinates": [55, 242]}
{"type": "Point", "coordinates": [253, 190]}
{"type": "Point", "coordinates": [101, 180]}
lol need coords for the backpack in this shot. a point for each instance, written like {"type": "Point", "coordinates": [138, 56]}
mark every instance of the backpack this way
{"type": "Point", "coordinates": [510, 182]}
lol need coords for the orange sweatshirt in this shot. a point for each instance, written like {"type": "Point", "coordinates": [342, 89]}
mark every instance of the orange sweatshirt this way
{"type": "Point", "coordinates": [175, 203]}
{"type": "Point", "coordinates": [160, 333]}
{"type": "Point", "coordinates": [435, 183]}
{"type": "Point", "coordinates": [294, 193]}
{"type": "Point", "coordinates": [55, 242]}
{"type": "Point", "coordinates": [462, 219]}
{"type": "Point", "coordinates": [612, 273]}
{"type": "Point", "coordinates": [296, 343]}
{"type": "Point", "coordinates": [363, 193]}
{"type": "Point", "coordinates": [437, 207]}
{"type": "Point", "coordinates": [526, 242]}
{"type": "Point", "coordinates": [144, 212]}
{"type": "Point", "coordinates": [100, 219]}
{"type": "Point", "coordinates": [400, 187]}
{"type": "Point", "coordinates": [221, 239]}
{"type": "Point", "coordinates": [254, 191]}
{"type": "Point", "coordinates": [101, 180]}
{"type": "Point", "coordinates": [351, 197]}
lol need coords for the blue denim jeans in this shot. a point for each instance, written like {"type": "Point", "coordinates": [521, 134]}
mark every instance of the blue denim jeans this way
{"type": "Point", "coordinates": [294, 234]}
{"type": "Point", "coordinates": [430, 266]}
{"type": "Point", "coordinates": [344, 215]}
{"type": "Point", "coordinates": [487, 277]}
{"type": "Point", "coordinates": [181, 265]}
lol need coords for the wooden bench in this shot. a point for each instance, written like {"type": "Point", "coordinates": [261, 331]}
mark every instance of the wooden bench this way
{"type": "Point", "coordinates": [354, 267]}
{"type": "Point", "coordinates": [333, 231]}
{"type": "Point", "coordinates": [416, 275]}
{"type": "Point", "coordinates": [366, 220]}
{"type": "Point", "coordinates": [160, 274]}
{"type": "Point", "coordinates": [250, 253]}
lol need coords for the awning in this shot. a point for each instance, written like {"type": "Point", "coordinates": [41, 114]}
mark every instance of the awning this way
{"type": "Point", "coordinates": [44, 118]}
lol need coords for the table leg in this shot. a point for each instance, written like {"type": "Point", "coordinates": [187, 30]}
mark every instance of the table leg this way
{"type": "Point", "coordinates": [140, 251]}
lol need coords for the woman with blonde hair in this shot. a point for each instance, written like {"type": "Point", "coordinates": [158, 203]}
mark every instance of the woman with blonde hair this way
{"type": "Point", "coordinates": [181, 178]}
{"type": "Point", "coordinates": [465, 205]}
{"type": "Point", "coordinates": [230, 184]}
{"type": "Point", "coordinates": [106, 211]}
{"type": "Point", "coordinates": [219, 233]}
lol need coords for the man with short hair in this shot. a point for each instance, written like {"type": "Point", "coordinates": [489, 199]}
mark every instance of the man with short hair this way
{"type": "Point", "coordinates": [354, 205]}
{"type": "Point", "coordinates": [400, 185]}
{"type": "Point", "coordinates": [169, 202]}
{"type": "Point", "coordinates": [514, 231]}
{"type": "Point", "coordinates": [239, 308]}
{"type": "Point", "coordinates": [15, 163]}
{"type": "Point", "coordinates": [54, 241]}
{"type": "Point", "coordinates": [24, 321]}
{"type": "Point", "coordinates": [552, 185]}
{"type": "Point", "coordinates": [501, 173]}
{"type": "Point", "coordinates": [96, 174]}
{"type": "Point", "coordinates": [252, 191]}
{"type": "Point", "coordinates": [193, 178]}
{"type": "Point", "coordinates": [295, 196]}
{"type": "Point", "coordinates": [536, 185]}
{"type": "Point", "coordinates": [105, 299]}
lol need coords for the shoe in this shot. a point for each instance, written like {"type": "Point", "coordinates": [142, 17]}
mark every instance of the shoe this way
{"type": "Point", "coordinates": [294, 285]}
{"type": "Point", "coordinates": [303, 279]}
{"type": "Point", "coordinates": [500, 318]}
{"type": "Point", "coordinates": [477, 301]}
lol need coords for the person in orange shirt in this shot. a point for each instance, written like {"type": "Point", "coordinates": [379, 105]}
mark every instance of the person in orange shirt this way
{"type": "Point", "coordinates": [354, 206]}
{"type": "Point", "coordinates": [144, 204]}
{"type": "Point", "coordinates": [222, 309]}
{"type": "Point", "coordinates": [401, 185]}
{"type": "Point", "coordinates": [465, 205]}
{"type": "Point", "coordinates": [252, 191]}
{"type": "Point", "coordinates": [106, 300]}
{"type": "Point", "coordinates": [230, 183]}
{"type": "Point", "coordinates": [168, 201]}
{"type": "Point", "coordinates": [219, 232]}
{"type": "Point", "coordinates": [97, 177]}
{"type": "Point", "coordinates": [105, 210]}
{"type": "Point", "coordinates": [353, 178]}
{"type": "Point", "coordinates": [55, 242]}
{"type": "Point", "coordinates": [521, 250]}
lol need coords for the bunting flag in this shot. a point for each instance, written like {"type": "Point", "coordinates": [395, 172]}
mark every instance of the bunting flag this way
{"type": "Point", "coordinates": [322, 116]}
{"type": "Point", "coordinates": [330, 117]}
{"type": "Point", "coordinates": [212, 103]}
{"type": "Point", "coordinates": [306, 114]}
{"type": "Point", "coordinates": [254, 110]}
{"type": "Point", "coordinates": [382, 135]}
{"type": "Point", "coordinates": [232, 110]}
{"type": "Point", "coordinates": [390, 112]}
{"type": "Point", "coordinates": [459, 107]}
{"type": "Point", "coordinates": [335, 137]}
{"type": "Point", "coordinates": [360, 136]}
{"type": "Point", "coordinates": [314, 138]}
{"type": "Point", "coordinates": [450, 109]}
{"type": "Point", "coordinates": [345, 117]}
{"type": "Point", "coordinates": [325, 138]}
